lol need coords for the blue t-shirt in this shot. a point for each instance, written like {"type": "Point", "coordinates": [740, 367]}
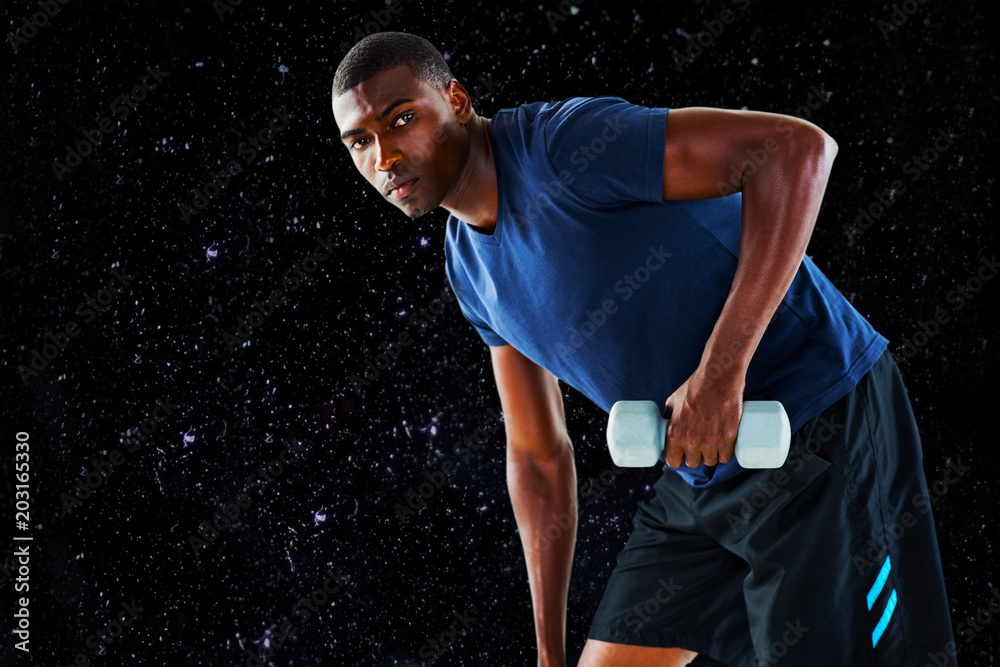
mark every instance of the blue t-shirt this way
{"type": "Point", "coordinates": [591, 275]}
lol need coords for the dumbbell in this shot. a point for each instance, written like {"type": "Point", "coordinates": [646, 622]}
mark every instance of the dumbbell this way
{"type": "Point", "coordinates": [637, 434]}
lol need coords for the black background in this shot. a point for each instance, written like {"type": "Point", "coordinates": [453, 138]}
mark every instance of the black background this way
{"type": "Point", "coordinates": [332, 509]}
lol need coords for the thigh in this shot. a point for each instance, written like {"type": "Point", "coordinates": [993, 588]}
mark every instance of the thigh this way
{"type": "Point", "coordinates": [846, 571]}
{"type": "Point", "coordinates": [673, 586]}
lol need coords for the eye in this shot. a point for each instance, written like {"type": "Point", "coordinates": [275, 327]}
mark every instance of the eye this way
{"type": "Point", "coordinates": [408, 114]}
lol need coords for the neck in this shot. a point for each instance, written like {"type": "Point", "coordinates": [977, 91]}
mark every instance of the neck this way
{"type": "Point", "coordinates": [475, 193]}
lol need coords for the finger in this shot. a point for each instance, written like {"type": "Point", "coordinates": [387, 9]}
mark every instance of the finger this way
{"type": "Point", "coordinates": [726, 453]}
{"type": "Point", "coordinates": [674, 455]}
{"type": "Point", "coordinates": [693, 458]}
{"type": "Point", "coordinates": [710, 456]}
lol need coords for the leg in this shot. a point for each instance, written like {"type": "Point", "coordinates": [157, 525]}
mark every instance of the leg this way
{"type": "Point", "coordinates": [603, 654]}
{"type": "Point", "coordinates": [674, 594]}
{"type": "Point", "coordinates": [842, 551]}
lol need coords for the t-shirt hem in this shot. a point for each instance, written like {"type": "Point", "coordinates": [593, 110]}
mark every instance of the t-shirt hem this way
{"type": "Point", "coordinates": [862, 364]}
{"type": "Point", "coordinates": [493, 343]}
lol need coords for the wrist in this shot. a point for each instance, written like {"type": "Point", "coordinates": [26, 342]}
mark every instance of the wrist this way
{"type": "Point", "coordinates": [725, 370]}
{"type": "Point", "coordinates": [727, 353]}
{"type": "Point", "coordinates": [551, 658]}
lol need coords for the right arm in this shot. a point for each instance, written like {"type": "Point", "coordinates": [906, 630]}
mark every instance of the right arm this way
{"type": "Point", "coordinates": [541, 479]}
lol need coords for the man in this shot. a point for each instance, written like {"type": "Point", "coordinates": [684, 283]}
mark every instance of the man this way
{"type": "Point", "coordinates": [640, 255]}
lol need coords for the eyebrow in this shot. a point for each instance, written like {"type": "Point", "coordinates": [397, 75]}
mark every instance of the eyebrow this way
{"type": "Point", "coordinates": [378, 118]}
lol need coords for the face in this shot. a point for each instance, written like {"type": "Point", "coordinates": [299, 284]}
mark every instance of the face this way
{"type": "Point", "coordinates": [398, 129]}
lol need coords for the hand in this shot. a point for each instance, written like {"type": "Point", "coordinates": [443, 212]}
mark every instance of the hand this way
{"type": "Point", "coordinates": [704, 419]}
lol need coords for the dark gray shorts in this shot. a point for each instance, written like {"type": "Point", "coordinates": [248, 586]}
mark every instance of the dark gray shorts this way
{"type": "Point", "coordinates": [831, 559]}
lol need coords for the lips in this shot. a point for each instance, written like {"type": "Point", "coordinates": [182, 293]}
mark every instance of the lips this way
{"type": "Point", "coordinates": [403, 189]}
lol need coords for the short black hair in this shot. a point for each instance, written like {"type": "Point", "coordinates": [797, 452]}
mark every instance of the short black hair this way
{"type": "Point", "coordinates": [381, 51]}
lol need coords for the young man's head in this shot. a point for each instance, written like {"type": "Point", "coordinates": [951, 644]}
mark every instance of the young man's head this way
{"type": "Point", "coordinates": [403, 116]}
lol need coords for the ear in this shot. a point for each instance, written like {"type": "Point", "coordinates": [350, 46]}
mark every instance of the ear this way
{"type": "Point", "coordinates": [459, 101]}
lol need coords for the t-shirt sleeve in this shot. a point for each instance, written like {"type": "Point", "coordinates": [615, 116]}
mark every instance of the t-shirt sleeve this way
{"type": "Point", "coordinates": [489, 336]}
{"type": "Point", "coordinates": [607, 151]}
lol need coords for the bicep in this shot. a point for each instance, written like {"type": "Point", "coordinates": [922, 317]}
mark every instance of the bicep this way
{"type": "Point", "coordinates": [708, 152]}
{"type": "Point", "coordinates": [531, 401]}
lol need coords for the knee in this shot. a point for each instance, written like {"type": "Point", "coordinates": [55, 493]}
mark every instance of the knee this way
{"type": "Point", "coordinates": [603, 654]}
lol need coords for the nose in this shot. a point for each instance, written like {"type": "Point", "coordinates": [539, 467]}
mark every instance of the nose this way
{"type": "Point", "coordinates": [386, 155]}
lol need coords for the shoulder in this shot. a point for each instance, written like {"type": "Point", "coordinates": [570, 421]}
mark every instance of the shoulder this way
{"type": "Point", "coordinates": [452, 231]}
{"type": "Point", "coordinates": [544, 114]}
{"type": "Point", "coordinates": [587, 117]}
{"type": "Point", "coordinates": [532, 120]}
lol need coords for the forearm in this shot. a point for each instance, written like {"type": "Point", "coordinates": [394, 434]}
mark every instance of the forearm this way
{"type": "Point", "coordinates": [543, 494]}
{"type": "Point", "coordinates": [780, 204]}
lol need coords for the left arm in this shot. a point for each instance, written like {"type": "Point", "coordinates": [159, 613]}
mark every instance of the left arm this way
{"type": "Point", "coordinates": [706, 155]}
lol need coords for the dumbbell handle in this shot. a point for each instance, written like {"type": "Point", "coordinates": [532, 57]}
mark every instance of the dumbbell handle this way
{"type": "Point", "coordinates": [637, 434]}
